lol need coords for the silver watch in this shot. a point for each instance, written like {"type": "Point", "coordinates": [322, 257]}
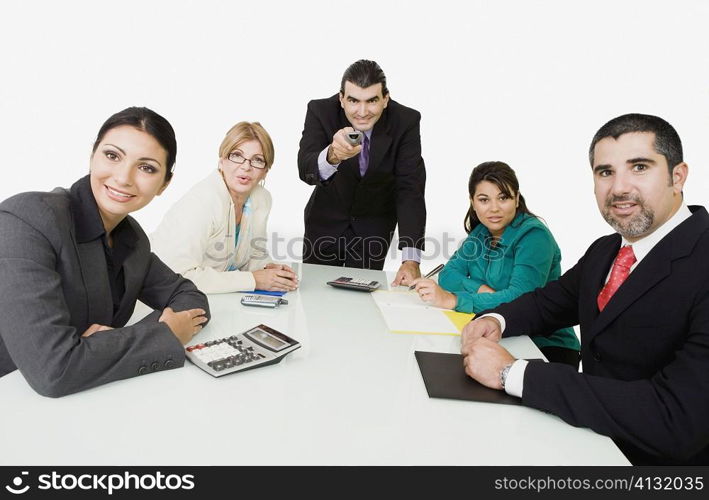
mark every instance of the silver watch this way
{"type": "Point", "coordinates": [503, 374]}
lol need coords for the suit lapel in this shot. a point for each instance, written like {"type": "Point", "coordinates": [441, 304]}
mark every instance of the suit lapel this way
{"type": "Point", "coordinates": [654, 268]}
{"type": "Point", "coordinates": [134, 269]}
{"type": "Point", "coordinates": [133, 273]}
{"type": "Point", "coordinates": [380, 143]}
{"type": "Point", "coordinates": [596, 268]}
{"type": "Point", "coordinates": [95, 276]}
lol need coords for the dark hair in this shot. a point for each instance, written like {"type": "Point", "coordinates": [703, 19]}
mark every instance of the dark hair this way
{"type": "Point", "coordinates": [364, 73]}
{"type": "Point", "coordinates": [149, 122]}
{"type": "Point", "coordinates": [667, 141]}
{"type": "Point", "coordinates": [504, 178]}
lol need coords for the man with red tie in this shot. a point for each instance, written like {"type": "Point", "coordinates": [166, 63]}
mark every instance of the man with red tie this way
{"type": "Point", "coordinates": [641, 298]}
{"type": "Point", "coordinates": [363, 190]}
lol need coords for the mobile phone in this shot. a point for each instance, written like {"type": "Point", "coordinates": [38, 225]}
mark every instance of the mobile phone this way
{"type": "Point", "coordinates": [262, 301]}
{"type": "Point", "coordinates": [354, 137]}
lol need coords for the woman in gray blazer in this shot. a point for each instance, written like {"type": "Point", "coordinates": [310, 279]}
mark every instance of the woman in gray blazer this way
{"type": "Point", "coordinates": [73, 263]}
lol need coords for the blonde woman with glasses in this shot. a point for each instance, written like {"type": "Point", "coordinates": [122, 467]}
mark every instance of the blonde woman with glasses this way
{"type": "Point", "coordinates": [225, 248]}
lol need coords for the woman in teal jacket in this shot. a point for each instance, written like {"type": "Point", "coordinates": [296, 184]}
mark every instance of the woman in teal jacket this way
{"type": "Point", "coordinates": [508, 252]}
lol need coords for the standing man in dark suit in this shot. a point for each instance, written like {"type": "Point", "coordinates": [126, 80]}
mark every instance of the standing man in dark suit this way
{"type": "Point", "coordinates": [641, 298]}
{"type": "Point", "coordinates": [363, 191]}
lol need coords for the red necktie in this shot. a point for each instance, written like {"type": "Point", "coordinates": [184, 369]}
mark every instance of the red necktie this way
{"type": "Point", "coordinates": [621, 270]}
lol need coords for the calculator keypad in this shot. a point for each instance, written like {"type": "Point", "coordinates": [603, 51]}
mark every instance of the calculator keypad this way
{"type": "Point", "coordinates": [259, 346]}
{"type": "Point", "coordinates": [355, 283]}
{"type": "Point", "coordinates": [224, 353]}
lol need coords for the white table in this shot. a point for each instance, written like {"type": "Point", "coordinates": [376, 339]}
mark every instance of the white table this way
{"type": "Point", "coordinates": [352, 395]}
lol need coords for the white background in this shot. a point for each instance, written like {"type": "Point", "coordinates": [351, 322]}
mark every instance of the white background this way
{"type": "Point", "coordinates": [524, 82]}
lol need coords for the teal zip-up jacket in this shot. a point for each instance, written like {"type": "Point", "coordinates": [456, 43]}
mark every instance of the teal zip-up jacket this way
{"type": "Point", "coordinates": [526, 257]}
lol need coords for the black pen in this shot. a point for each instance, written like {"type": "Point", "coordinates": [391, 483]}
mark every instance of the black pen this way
{"type": "Point", "coordinates": [432, 273]}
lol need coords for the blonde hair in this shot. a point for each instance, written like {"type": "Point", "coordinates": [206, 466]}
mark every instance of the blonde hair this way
{"type": "Point", "coordinates": [248, 131]}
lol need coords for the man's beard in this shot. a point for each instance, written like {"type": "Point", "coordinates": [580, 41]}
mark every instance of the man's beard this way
{"type": "Point", "coordinates": [633, 227]}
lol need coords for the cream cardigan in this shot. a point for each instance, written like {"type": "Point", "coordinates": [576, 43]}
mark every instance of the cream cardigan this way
{"type": "Point", "coordinates": [196, 237]}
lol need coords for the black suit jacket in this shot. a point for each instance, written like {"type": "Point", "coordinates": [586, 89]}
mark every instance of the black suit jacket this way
{"type": "Point", "coordinates": [391, 190]}
{"type": "Point", "coordinates": [54, 286]}
{"type": "Point", "coordinates": [645, 379]}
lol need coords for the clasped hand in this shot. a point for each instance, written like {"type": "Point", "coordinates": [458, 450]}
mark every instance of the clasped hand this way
{"type": "Point", "coordinates": [276, 278]}
{"type": "Point", "coordinates": [483, 357]}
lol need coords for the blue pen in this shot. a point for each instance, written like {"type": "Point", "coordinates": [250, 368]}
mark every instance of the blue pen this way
{"type": "Point", "coordinates": [267, 292]}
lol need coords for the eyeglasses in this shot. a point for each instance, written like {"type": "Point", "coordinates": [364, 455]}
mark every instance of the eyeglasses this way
{"type": "Point", "coordinates": [256, 161]}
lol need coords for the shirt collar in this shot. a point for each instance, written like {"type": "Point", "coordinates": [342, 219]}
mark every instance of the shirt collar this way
{"type": "Point", "coordinates": [643, 246]}
{"type": "Point", "coordinates": [87, 220]}
{"type": "Point", "coordinates": [247, 206]}
{"type": "Point", "coordinates": [510, 231]}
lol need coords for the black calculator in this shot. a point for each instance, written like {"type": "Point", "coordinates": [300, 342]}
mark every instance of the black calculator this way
{"type": "Point", "coordinates": [259, 346]}
{"type": "Point", "coordinates": [354, 284]}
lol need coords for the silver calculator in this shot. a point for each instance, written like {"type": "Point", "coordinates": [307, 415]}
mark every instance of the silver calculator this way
{"type": "Point", "coordinates": [259, 346]}
{"type": "Point", "coordinates": [263, 301]}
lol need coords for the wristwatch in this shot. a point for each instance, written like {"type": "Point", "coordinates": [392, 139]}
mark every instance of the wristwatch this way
{"type": "Point", "coordinates": [503, 374]}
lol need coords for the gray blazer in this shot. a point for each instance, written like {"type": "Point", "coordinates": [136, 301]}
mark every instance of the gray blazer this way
{"type": "Point", "coordinates": [52, 288]}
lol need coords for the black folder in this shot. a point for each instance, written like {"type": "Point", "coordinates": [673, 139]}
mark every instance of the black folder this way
{"type": "Point", "coordinates": [445, 377]}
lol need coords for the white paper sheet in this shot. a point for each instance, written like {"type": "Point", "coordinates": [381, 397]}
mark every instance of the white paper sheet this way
{"type": "Point", "coordinates": [404, 312]}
